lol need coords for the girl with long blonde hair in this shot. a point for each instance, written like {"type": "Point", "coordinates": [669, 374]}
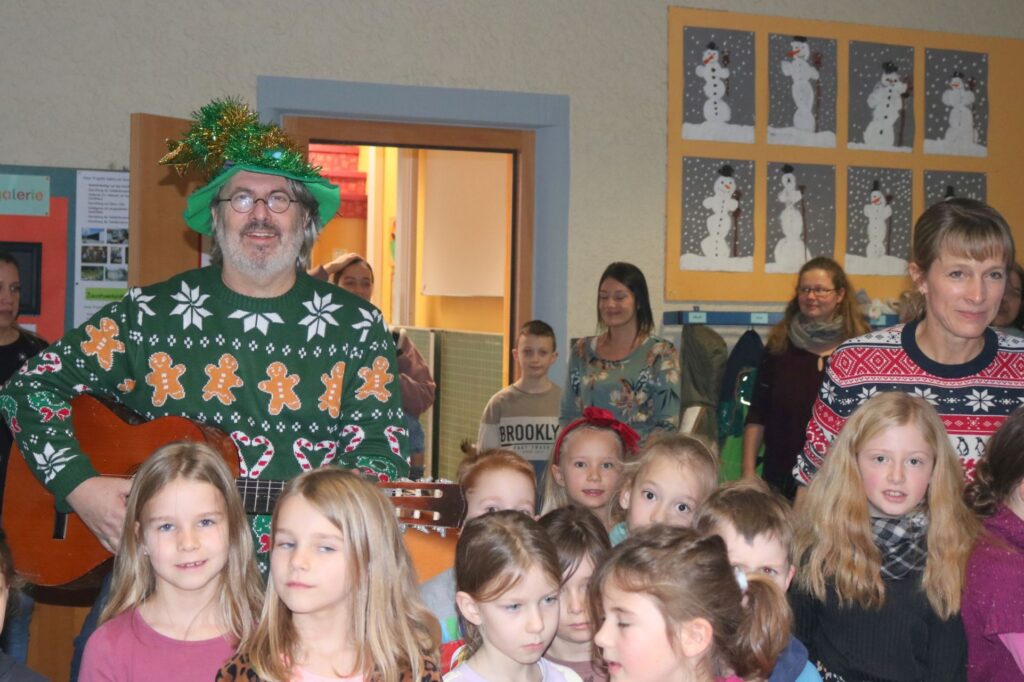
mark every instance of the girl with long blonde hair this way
{"type": "Point", "coordinates": [341, 601]}
{"type": "Point", "coordinates": [185, 587]}
{"type": "Point", "coordinates": [883, 539]}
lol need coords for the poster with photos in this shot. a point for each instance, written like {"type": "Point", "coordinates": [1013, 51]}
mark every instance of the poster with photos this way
{"type": "Point", "coordinates": [881, 102]}
{"type": "Point", "coordinates": [718, 222]}
{"type": "Point", "coordinates": [801, 90]}
{"type": "Point", "coordinates": [955, 102]}
{"type": "Point", "coordinates": [801, 214]}
{"type": "Point", "coordinates": [718, 90]}
{"type": "Point", "coordinates": [941, 185]}
{"type": "Point", "coordinates": [879, 216]}
{"type": "Point", "coordinates": [101, 240]}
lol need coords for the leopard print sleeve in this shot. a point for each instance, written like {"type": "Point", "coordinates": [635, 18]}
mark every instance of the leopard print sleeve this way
{"type": "Point", "coordinates": [237, 669]}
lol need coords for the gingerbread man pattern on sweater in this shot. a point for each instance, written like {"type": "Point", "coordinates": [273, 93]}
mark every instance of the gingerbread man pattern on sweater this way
{"type": "Point", "coordinates": [297, 381]}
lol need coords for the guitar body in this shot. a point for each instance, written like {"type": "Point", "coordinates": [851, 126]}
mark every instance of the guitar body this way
{"type": "Point", "coordinates": [54, 549]}
{"type": "Point", "coordinates": [58, 550]}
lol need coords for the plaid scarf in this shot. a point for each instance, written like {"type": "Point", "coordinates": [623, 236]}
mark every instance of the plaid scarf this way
{"type": "Point", "coordinates": [903, 543]}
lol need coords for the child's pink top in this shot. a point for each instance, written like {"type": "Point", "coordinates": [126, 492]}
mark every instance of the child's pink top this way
{"type": "Point", "coordinates": [126, 648]}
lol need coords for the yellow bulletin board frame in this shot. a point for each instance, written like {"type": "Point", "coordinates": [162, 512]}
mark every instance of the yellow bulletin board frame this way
{"type": "Point", "coordinates": [1002, 165]}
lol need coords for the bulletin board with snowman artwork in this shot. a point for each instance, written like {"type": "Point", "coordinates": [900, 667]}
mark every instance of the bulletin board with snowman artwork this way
{"type": "Point", "coordinates": [790, 139]}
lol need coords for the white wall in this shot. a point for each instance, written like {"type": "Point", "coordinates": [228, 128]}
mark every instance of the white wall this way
{"type": "Point", "coordinates": [73, 70]}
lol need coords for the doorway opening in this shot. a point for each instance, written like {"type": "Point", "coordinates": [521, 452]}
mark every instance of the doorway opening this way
{"type": "Point", "coordinates": [444, 216]}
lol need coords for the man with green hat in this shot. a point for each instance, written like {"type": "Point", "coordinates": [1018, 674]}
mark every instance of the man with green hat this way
{"type": "Point", "coordinates": [299, 372]}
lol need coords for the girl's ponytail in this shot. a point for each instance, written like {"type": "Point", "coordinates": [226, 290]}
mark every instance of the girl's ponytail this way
{"type": "Point", "coordinates": [765, 630]}
{"type": "Point", "coordinates": [980, 494]}
{"type": "Point", "coordinates": [1001, 469]}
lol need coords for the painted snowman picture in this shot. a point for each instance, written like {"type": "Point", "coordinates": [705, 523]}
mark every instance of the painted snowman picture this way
{"type": "Point", "coordinates": [878, 212]}
{"type": "Point", "coordinates": [715, 75]}
{"type": "Point", "coordinates": [878, 241]}
{"type": "Point", "coordinates": [717, 242]}
{"type": "Point", "coordinates": [955, 103]}
{"type": "Point", "coordinates": [790, 251]}
{"type": "Point", "coordinates": [800, 71]}
{"type": "Point", "coordinates": [881, 116]}
{"type": "Point", "coordinates": [886, 102]}
{"type": "Point", "coordinates": [718, 98]}
{"type": "Point", "coordinates": [801, 108]}
{"type": "Point", "coordinates": [722, 205]}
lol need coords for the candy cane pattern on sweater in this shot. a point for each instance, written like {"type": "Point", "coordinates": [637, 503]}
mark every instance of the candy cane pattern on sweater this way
{"type": "Point", "coordinates": [391, 433]}
{"type": "Point", "coordinates": [242, 438]}
{"type": "Point", "coordinates": [358, 438]}
{"type": "Point", "coordinates": [303, 460]}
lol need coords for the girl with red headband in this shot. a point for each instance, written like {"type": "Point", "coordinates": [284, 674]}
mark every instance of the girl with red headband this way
{"type": "Point", "coordinates": [586, 463]}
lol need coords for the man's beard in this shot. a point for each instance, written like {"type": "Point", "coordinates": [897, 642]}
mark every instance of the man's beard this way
{"type": "Point", "coordinates": [264, 262]}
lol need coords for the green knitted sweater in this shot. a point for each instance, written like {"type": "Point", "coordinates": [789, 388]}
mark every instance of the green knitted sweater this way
{"type": "Point", "coordinates": [299, 380]}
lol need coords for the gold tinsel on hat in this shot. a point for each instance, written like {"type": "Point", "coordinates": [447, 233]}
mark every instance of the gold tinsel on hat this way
{"type": "Point", "coordinates": [226, 133]}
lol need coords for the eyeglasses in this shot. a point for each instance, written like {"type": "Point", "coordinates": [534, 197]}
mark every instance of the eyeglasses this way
{"type": "Point", "coordinates": [817, 291]}
{"type": "Point", "coordinates": [243, 202]}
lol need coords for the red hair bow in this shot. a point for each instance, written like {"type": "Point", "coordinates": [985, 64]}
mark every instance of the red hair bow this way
{"type": "Point", "coordinates": [601, 418]}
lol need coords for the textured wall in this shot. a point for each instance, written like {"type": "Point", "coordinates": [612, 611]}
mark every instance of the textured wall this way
{"type": "Point", "coordinates": [73, 71]}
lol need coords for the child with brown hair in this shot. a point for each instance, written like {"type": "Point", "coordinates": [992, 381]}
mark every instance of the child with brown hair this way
{"type": "Point", "coordinates": [508, 577]}
{"type": "Point", "coordinates": [582, 546]}
{"type": "Point", "coordinates": [993, 602]}
{"type": "Point", "coordinates": [673, 609]}
{"type": "Point", "coordinates": [756, 524]}
{"type": "Point", "coordinates": [667, 484]}
{"type": "Point", "coordinates": [523, 417]}
{"type": "Point", "coordinates": [491, 481]}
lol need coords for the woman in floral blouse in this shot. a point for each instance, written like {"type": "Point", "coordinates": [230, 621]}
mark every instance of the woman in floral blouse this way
{"type": "Point", "coordinates": [626, 369]}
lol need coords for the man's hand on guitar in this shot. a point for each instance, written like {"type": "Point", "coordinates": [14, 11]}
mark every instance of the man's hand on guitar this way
{"type": "Point", "coordinates": [100, 502]}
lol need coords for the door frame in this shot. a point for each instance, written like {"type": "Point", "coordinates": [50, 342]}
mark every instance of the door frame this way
{"type": "Point", "coordinates": [520, 143]}
{"type": "Point", "coordinates": [546, 116]}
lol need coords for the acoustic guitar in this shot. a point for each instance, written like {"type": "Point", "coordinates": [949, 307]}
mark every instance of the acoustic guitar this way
{"type": "Point", "coordinates": [54, 549]}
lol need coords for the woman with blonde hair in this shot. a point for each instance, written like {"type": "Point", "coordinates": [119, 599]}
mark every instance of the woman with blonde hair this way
{"type": "Point", "coordinates": [883, 537]}
{"type": "Point", "coordinates": [962, 250]}
{"type": "Point", "coordinates": [820, 316]}
{"type": "Point", "coordinates": [341, 601]}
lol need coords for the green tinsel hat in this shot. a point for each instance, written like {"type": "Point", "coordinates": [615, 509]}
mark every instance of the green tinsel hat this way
{"type": "Point", "coordinates": [226, 137]}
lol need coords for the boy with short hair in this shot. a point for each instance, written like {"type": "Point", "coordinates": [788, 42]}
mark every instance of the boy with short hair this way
{"type": "Point", "coordinates": [524, 416]}
{"type": "Point", "coordinates": [756, 524]}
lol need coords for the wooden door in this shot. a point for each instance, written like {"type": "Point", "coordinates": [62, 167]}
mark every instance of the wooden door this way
{"type": "Point", "coordinates": [160, 244]}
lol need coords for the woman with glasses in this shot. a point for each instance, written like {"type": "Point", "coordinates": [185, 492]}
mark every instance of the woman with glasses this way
{"type": "Point", "coordinates": [819, 317]}
{"type": "Point", "coordinates": [961, 254]}
{"type": "Point", "coordinates": [626, 369]}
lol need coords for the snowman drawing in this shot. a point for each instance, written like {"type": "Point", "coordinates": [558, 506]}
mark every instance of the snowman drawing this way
{"type": "Point", "coordinates": [802, 73]}
{"type": "Point", "coordinates": [959, 99]}
{"type": "Point", "coordinates": [885, 101]}
{"type": "Point", "coordinates": [790, 251]}
{"type": "Point", "coordinates": [878, 212]}
{"type": "Point", "coordinates": [722, 205]}
{"type": "Point", "coordinates": [950, 193]}
{"type": "Point", "coordinates": [715, 76]}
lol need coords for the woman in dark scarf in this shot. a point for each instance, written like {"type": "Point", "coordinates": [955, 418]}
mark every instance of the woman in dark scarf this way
{"type": "Point", "coordinates": [819, 317]}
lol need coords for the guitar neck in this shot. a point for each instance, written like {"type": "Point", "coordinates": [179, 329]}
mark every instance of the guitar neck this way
{"type": "Point", "coordinates": [258, 496]}
{"type": "Point", "coordinates": [417, 503]}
